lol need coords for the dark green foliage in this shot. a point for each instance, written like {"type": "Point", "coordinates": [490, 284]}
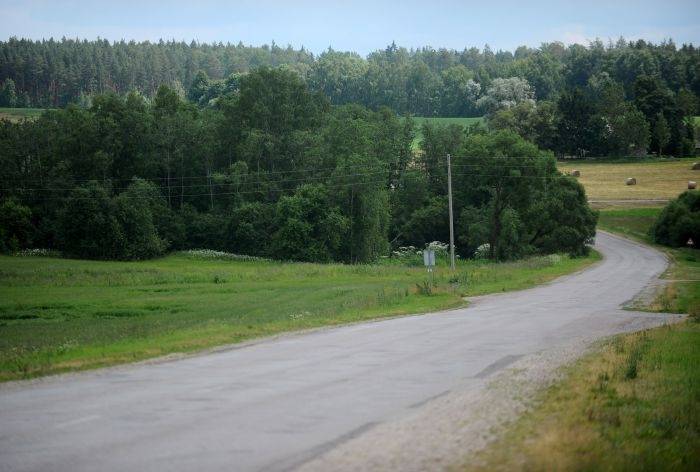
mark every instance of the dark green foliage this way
{"type": "Point", "coordinates": [679, 222]}
{"type": "Point", "coordinates": [364, 200]}
{"type": "Point", "coordinates": [428, 222]}
{"type": "Point", "coordinates": [438, 141]}
{"type": "Point", "coordinates": [134, 210]}
{"type": "Point", "coordinates": [535, 122]}
{"type": "Point", "coordinates": [94, 226]}
{"type": "Point", "coordinates": [575, 133]}
{"type": "Point", "coordinates": [561, 220]}
{"type": "Point", "coordinates": [514, 200]}
{"type": "Point", "coordinates": [140, 238]}
{"type": "Point", "coordinates": [8, 93]}
{"type": "Point", "coordinates": [249, 229]}
{"type": "Point", "coordinates": [309, 227]}
{"type": "Point", "coordinates": [88, 225]}
{"type": "Point", "coordinates": [599, 100]}
{"type": "Point", "coordinates": [203, 230]}
{"type": "Point", "coordinates": [15, 226]}
{"type": "Point", "coordinates": [271, 169]}
{"type": "Point", "coordinates": [423, 81]}
{"type": "Point", "coordinates": [410, 194]}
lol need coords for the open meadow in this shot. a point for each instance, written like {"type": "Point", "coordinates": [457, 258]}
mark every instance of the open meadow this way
{"type": "Point", "coordinates": [440, 121]}
{"type": "Point", "coordinates": [656, 179]}
{"type": "Point", "coordinates": [18, 114]}
{"type": "Point", "coordinates": [64, 314]}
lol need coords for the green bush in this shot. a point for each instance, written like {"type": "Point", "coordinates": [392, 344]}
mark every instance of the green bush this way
{"type": "Point", "coordinates": [202, 230]}
{"type": "Point", "coordinates": [87, 225]}
{"type": "Point", "coordinates": [249, 229]}
{"type": "Point", "coordinates": [309, 227]}
{"type": "Point", "coordinates": [15, 226]}
{"type": "Point", "coordinates": [679, 221]}
{"type": "Point", "coordinates": [515, 202]}
{"type": "Point", "coordinates": [133, 213]}
{"type": "Point", "coordinates": [94, 226]}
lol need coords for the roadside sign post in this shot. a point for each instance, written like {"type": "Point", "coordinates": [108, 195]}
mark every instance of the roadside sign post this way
{"type": "Point", "coordinates": [429, 262]}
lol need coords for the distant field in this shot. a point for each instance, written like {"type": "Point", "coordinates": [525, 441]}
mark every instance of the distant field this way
{"type": "Point", "coordinates": [447, 121]}
{"type": "Point", "coordinates": [17, 114]}
{"type": "Point", "coordinates": [439, 121]}
{"type": "Point", "coordinates": [64, 314]}
{"type": "Point", "coordinates": [655, 180]}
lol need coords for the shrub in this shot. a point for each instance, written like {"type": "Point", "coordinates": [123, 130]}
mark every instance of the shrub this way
{"type": "Point", "coordinates": [249, 229]}
{"type": "Point", "coordinates": [679, 221]}
{"type": "Point", "coordinates": [94, 226]}
{"type": "Point", "coordinates": [309, 228]}
{"type": "Point", "coordinates": [168, 224]}
{"type": "Point", "coordinates": [133, 213]}
{"type": "Point", "coordinates": [15, 226]}
{"type": "Point", "coordinates": [88, 226]}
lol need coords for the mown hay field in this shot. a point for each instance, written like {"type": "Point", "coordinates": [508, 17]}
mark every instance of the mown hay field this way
{"type": "Point", "coordinates": [656, 180]}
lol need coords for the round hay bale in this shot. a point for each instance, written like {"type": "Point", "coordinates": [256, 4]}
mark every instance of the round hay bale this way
{"type": "Point", "coordinates": [696, 166]}
{"type": "Point", "coordinates": [576, 173]}
{"type": "Point", "coordinates": [692, 185]}
{"type": "Point", "coordinates": [631, 181]}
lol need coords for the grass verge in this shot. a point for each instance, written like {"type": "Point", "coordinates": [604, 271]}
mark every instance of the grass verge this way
{"type": "Point", "coordinates": [60, 315]}
{"type": "Point", "coordinates": [633, 405]}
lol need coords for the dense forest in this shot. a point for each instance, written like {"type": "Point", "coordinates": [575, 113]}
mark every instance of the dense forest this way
{"type": "Point", "coordinates": [424, 82]}
{"type": "Point", "coordinates": [273, 169]}
{"type": "Point", "coordinates": [623, 98]}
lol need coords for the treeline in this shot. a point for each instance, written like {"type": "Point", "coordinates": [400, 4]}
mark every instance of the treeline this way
{"type": "Point", "coordinates": [422, 82]}
{"type": "Point", "coordinates": [599, 119]}
{"type": "Point", "coordinates": [272, 169]}
{"type": "Point", "coordinates": [618, 99]}
{"type": "Point", "coordinates": [51, 74]}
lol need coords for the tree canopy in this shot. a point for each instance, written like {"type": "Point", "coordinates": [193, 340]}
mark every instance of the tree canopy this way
{"type": "Point", "coordinates": [272, 169]}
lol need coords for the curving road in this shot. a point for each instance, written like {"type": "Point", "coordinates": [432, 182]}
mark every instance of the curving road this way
{"type": "Point", "coordinates": [279, 403]}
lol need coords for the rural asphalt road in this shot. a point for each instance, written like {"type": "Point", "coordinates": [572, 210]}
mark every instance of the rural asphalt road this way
{"type": "Point", "coordinates": [279, 403]}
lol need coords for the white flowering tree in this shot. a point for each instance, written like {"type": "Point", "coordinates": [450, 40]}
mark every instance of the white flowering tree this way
{"type": "Point", "coordinates": [506, 93]}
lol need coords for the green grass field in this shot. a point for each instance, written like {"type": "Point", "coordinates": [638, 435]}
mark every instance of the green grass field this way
{"type": "Point", "coordinates": [60, 314]}
{"type": "Point", "coordinates": [443, 121]}
{"type": "Point", "coordinates": [656, 179]}
{"type": "Point", "coordinates": [634, 403]}
{"type": "Point", "coordinates": [18, 114]}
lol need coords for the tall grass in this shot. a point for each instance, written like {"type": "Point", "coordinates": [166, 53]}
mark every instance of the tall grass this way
{"type": "Point", "coordinates": [633, 405]}
{"type": "Point", "coordinates": [63, 314]}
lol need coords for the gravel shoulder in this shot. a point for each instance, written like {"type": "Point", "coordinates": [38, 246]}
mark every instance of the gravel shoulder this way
{"type": "Point", "coordinates": [447, 431]}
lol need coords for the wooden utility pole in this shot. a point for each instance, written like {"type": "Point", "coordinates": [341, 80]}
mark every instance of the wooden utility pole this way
{"type": "Point", "coordinates": [449, 200]}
